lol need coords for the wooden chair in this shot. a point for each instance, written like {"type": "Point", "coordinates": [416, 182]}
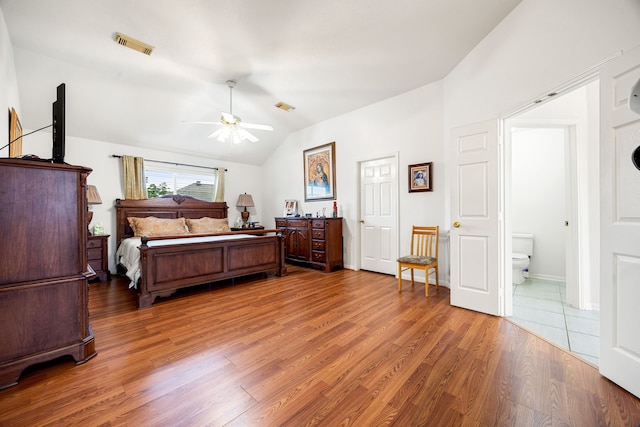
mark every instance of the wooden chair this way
{"type": "Point", "coordinates": [424, 255]}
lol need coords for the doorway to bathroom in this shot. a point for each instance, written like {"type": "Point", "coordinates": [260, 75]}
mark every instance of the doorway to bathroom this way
{"type": "Point", "coordinates": [550, 151]}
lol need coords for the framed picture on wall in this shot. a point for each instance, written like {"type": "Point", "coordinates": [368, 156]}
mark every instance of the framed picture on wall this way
{"type": "Point", "coordinates": [320, 173]}
{"type": "Point", "coordinates": [15, 134]}
{"type": "Point", "coordinates": [420, 176]}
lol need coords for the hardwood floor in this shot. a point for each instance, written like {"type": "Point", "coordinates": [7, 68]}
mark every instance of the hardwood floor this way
{"type": "Point", "coordinates": [311, 349]}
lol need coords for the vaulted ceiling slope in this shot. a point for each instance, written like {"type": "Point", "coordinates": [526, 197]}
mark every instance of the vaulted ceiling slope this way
{"type": "Point", "coordinates": [326, 58]}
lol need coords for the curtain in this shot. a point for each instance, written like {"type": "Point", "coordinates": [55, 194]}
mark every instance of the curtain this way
{"type": "Point", "coordinates": [134, 185]}
{"type": "Point", "coordinates": [219, 190]}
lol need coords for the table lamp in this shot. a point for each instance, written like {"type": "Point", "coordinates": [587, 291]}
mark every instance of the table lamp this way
{"type": "Point", "coordinates": [93, 198]}
{"type": "Point", "coordinates": [245, 200]}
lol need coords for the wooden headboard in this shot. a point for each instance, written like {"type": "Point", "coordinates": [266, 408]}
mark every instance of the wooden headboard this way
{"type": "Point", "coordinates": [172, 206]}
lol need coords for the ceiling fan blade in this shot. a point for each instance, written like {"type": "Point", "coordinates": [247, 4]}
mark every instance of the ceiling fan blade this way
{"type": "Point", "coordinates": [255, 126]}
{"type": "Point", "coordinates": [245, 134]}
{"type": "Point", "coordinates": [217, 133]}
{"type": "Point", "coordinates": [204, 123]}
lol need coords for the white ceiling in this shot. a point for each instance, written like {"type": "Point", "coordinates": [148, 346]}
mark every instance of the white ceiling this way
{"type": "Point", "coordinates": [324, 57]}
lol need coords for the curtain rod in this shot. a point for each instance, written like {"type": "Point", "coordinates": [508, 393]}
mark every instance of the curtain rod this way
{"type": "Point", "coordinates": [118, 156]}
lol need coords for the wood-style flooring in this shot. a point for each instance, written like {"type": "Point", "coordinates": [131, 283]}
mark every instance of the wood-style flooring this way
{"type": "Point", "coordinates": [311, 348]}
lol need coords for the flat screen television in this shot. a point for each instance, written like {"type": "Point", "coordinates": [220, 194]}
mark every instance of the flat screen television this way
{"type": "Point", "coordinates": [58, 125]}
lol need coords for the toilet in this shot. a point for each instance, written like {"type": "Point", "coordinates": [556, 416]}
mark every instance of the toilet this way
{"type": "Point", "coordinates": [521, 250]}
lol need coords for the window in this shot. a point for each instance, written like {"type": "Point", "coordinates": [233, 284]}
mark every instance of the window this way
{"type": "Point", "coordinates": [160, 181]}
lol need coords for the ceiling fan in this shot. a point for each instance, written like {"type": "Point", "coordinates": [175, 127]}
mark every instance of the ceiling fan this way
{"type": "Point", "coordinates": [232, 126]}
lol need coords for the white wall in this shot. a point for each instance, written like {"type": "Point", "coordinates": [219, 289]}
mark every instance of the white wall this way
{"type": "Point", "coordinates": [409, 125]}
{"type": "Point", "coordinates": [538, 197]}
{"type": "Point", "coordinates": [538, 46]}
{"type": "Point", "coordinates": [107, 171]}
{"type": "Point", "coordinates": [8, 85]}
{"type": "Point", "coordinates": [525, 56]}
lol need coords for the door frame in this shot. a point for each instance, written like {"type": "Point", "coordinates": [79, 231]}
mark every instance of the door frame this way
{"type": "Point", "coordinates": [574, 251]}
{"type": "Point", "coordinates": [396, 160]}
{"type": "Point", "coordinates": [581, 253]}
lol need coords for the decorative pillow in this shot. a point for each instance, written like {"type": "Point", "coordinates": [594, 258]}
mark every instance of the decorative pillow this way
{"type": "Point", "coordinates": [208, 225]}
{"type": "Point", "coordinates": [152, 226]}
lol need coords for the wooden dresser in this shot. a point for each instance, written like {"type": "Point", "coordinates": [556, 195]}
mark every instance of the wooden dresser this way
{"type": "Point", "coordinates": [316, 242]}
{"type": "Point", "coordinates": [43, 264]}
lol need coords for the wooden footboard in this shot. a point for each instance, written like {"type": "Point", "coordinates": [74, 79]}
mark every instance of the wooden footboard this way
{"type": "Point", "coordinates": [168, 268]}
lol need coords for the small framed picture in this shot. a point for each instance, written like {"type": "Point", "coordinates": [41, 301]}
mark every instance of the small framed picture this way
{"type": "Point", "coordinates": [420, 177]}
{"type": "Point", "coordinates": [290, 207]}
{"type": "Point", "coordinates": [15, 134]}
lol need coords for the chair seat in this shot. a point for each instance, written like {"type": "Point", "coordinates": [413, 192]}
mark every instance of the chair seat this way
{"type": "Point", "coordinates": [417, 259]}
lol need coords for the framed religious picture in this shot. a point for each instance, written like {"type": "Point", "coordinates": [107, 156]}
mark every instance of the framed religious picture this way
{"type": "Point", "coordinates": [420, 177]}
{"type": "Point", "coordinates": [320, 173]}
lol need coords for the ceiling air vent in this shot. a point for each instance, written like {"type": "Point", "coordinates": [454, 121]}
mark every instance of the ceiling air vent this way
{"type": "Point", "coordinates": [134, 44]}
{"type": "Point", "coordinates": [284, 106]}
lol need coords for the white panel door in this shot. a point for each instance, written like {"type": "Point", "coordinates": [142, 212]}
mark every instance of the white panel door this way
{"type": "Point", "coordinates": [378, 211]}
{"type": "Point", "coordinates": [475, 260]}
{"type": "Point", "coordinates": [620, 225]}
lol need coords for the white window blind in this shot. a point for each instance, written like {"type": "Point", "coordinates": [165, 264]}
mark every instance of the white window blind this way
{"type": "Point", "coordinates": [160, 181]}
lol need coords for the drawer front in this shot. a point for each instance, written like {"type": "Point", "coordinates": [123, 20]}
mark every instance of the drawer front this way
{"type": "Point", "coordinates": [317, 234]}
{"type": "Point", "coordinates": [298, 223]}
{"type": "Point", "coordinates": [281, 223]}
{"type": "Point", "coordinates": [94, 253]}
{"type": "Point", "coordinates": [96, 264]}
{"type": "Point", "coordinates": [94, 243]}
{"type": "Point", "coordinates": [317, 223]}
{"type": "Point", "coordinates": [317, 245]}
{"type": "Point", "coordinates": [318, 256]}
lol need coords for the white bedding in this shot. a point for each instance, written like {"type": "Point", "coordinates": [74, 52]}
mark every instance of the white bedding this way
{"type": "Point", "coordinates": [128, 253]}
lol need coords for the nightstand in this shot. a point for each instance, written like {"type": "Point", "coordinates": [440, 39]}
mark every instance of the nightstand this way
{"type": "Point", "coordinates": [98, 256]}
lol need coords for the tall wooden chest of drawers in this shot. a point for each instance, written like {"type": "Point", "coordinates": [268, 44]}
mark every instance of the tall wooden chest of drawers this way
{"type": "Point", "coordinates": [44, 310]}
{"type": "Point", "coordinates": [316, 242]}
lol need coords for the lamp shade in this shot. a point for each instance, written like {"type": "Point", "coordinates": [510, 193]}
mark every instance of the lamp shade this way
{"type": "Point", "coordinates": [245, 201]}
{"type": "Point", "coordinates": [93, 197]}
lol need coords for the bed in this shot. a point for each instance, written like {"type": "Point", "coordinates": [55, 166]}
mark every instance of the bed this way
{"type": "Point", "coordinates": [171, 262]}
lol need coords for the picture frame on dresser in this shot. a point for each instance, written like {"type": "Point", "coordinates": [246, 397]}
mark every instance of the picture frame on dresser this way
{"type": "Point", "coordinates": [290, 208]}
{"type": "Point", "coordinates": [320, 172]}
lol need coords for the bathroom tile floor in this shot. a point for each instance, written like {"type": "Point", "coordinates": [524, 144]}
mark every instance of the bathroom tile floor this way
{"type": "Point", "coordinates": [540, 306]}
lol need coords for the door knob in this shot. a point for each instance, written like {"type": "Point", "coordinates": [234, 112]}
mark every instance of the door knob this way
{"type": "Point", "coordinates": [362, 221]}
{"type": "Point", "coordinates": [456, 224]}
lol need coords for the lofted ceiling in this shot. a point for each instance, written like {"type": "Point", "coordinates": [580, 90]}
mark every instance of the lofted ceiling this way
{"type": "Point", "coordinates": [325, 58]}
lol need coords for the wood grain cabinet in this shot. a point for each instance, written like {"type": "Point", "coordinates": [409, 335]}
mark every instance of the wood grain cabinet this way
{"type": "Point", "coordinates": [316, 242]}
{"type": "Point", "coordinates": [98, 256]}
{"type": "Point", "coordinates": [43, 266]}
